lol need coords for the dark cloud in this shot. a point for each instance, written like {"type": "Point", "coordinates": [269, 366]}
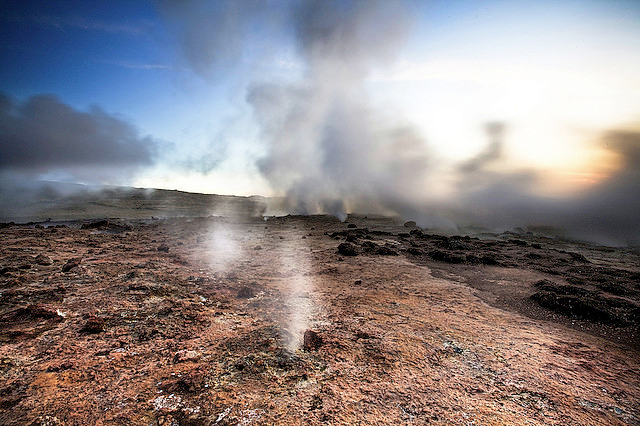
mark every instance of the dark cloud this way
{"type": "Point", "coordinates": [43, 134]}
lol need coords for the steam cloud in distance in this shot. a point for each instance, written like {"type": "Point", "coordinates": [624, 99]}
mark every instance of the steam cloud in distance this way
{"type": "Point", "coordinates": [329, 150]}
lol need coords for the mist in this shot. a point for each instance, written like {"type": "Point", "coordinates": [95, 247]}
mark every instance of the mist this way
{"type": "Point", "coordinates": [330, 149]}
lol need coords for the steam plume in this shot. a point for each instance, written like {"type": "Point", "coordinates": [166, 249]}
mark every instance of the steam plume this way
{"type": "Point", "coordinates": [330, 151]}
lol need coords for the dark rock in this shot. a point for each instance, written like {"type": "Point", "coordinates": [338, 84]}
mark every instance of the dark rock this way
{"type": "Point", "coordinates": [352, 238]}
{"type": "Point", "coordinates": [615, 288]}
{"type": "Point", "coordinates": [93, 325]}
{"type": "Point", "coordinates": [415, 251]}
{"type": "Point", "coordinates": [386, 251]}
{"type": "Point", "coordinates": [578, 257]}
{"type": "Point", "coordinates": [71, 263]}
{"type": "Point", "coordinates": [246, 293]}
{"type": "Point", "coordinates": [115, 227]}
{"type": "Point", "coordinates": [452, 243]}
{"type": "Point", "coordinates": [95, 225]}
{"type": "Point", "coordinates": [489, 260]}
{"type": "Point", "coordinates": [574, 306]}
{"type": "Point", "coordinates": [410, 224]}
{"type": "Point", "coordinates": [43, 259]}
{"type": "Point", "coordinates": [369, 246]}
{"type": "Point", "coordinates": [163, 248]}
{"type": "Point", "coordinates": [358, 282]}
{"type": "Point", "coordinates": [34, 311]}
{"type": "Point", "coordinates": [550, 286]}
{"type": "Point", "coordinates": [363, 335]}
{"type": "Point", "coordinates": [7, 270]}
{"type": "Point", "coordinates": [312, 341]}
{"type": "Point", "coordinates": [447, 257]}
{"type": "Point", "coordinates": [352, 225]}
{"type": "Point", "coordinates": [347, 249]}
{"type": "Point", "coordinates": [257, 248]}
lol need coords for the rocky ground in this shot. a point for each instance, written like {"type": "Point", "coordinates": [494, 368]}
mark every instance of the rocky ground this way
{"type": "Point", "coordinates": [307, 320]}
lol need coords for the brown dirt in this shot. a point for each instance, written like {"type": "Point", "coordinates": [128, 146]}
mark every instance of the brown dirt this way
{"type": "Point", "coordinates": [202, 320]}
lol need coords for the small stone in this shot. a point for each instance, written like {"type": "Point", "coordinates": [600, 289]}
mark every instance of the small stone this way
{"type": "Point", "coordinates": [186, 356]}
{"type": "Point", "coordinates": [93, 325]}
{"type": "Point", "coordinates": [43, 259]}
{"type": "Point", "coordinates": [163, 248]}
{"type": "Point", "coordinates": [410, 224]}
{"type": "Point", "coordinates": [71, 263]}
{"type": "Point", "coordinates": [386, 251]}
{"type": "Point", "coordinates": [347, 249]}
{"type": "Point", "coordinates": [245, 293]}
{"type": "Point", "coordinates": [312, 341]}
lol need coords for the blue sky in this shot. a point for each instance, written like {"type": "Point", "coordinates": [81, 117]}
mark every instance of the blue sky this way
{"type": "Point", "coordinates": [558, 73]}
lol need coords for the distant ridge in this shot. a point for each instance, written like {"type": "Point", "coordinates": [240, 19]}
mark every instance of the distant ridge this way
{"type": "Point", "coordinates": [70, 201]}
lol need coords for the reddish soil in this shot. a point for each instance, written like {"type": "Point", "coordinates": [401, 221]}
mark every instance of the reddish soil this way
{"type": "Point", "coordinates": [212, 321]}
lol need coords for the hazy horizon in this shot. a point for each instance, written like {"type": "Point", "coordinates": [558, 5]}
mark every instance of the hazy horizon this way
{"type": "Point", "coordinates": [446, 113]}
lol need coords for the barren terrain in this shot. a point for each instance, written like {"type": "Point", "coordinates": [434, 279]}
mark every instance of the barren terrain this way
{"type": "Point", "coordinates": [307, 320]}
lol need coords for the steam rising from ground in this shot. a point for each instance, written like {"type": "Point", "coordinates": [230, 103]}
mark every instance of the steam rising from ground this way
{"type": "Point", "coordinates": [329, 150]}
{"type": "Point", "coordinates": [224, 247]}
{"type": "Point", "coordinates": [298, 303]}
{"type": "Point", "coordinates": [232, 253]}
